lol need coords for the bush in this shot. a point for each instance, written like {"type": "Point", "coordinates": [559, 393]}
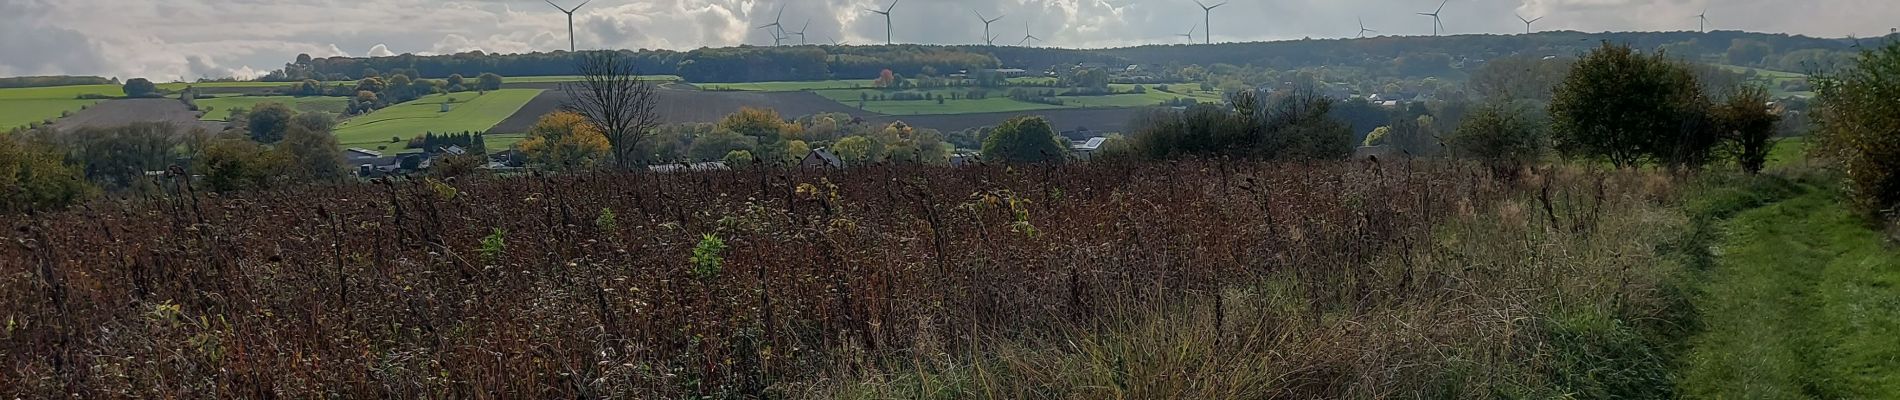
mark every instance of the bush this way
{"type": "Point", "coordinates": [140, 87]}
{"type": "Point", "coordinates": [1628, 108]}
{"type": "Point", "coordinates": [33, 177]}
{"type": "Point", "coordinates": [1859, 125]}
{"type": "Point", "coordinates": [1025, 139]}
{"type": "Point", "coordinates": [1503, 138]}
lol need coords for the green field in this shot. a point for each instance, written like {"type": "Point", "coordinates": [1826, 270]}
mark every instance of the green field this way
{"type": "Point", "coordinates": [23, 106]}
{"type": "Point", "coordinates": [788, 86]}
{"type": "Point", "coordinates": [1771, 80]}
{"type": "Point", "coordinates": [471, 112]}
{"type": "Point", "coordinates": [573, 78]}
{"type": "Point", "coordinates": [219, 108]}
{"type": "Point", "coordinates": [999, 101]}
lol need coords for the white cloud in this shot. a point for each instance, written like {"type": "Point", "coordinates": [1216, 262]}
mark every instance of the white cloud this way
{"type": "Point", "coordinates": [160, 38]}
{"type": "Point", "coordinates": [379, 50]}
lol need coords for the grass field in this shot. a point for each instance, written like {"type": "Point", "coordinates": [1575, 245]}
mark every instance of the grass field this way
{"type": "Point", "coordinates": [998, 101]}
{"type": "Point", "coordinates": [471, 113]}
{"type": "Point", "coordinates": [219, 108]}
{"type": "Point", "coordinates": [23, 106]}
{"type": "Point", "coordinates": [1804, 302]}
{"type": "Point", "coordinates": [1771, 80]}
{"type": "Point", "coordinates": [572, 78]}
{"type": "Point", "coordinates": [788, 86]}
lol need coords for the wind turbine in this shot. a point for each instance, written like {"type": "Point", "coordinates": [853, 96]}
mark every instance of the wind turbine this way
{"type": "Point", "coordinates": [1702, 21]}
{"type": "Point", "coordinates": [570, 20]}
{"type": "Point", "coordinates": [1528, 22]}
{"type": "Point", "coordinates": [778, 30]}
{"type": "Point", "coordinates": [801, 33]}
{"type": "Point", "coordinates": [987, 38]}
{"type": "Point", "coordinates": [1190, 33]}
{"type": "Point", "coordinates": [1362, 27]}
{"type": "Point", "coordinates": [1028, 36]}
{"type": "Point", "coordinates": [1207, 19]}
{"type": "Point", "coordinates": [835, 42]}
{"type": "Point", "coordinates": [887, 19]}
{"type": "Point", "coordinates": [1435, 23]}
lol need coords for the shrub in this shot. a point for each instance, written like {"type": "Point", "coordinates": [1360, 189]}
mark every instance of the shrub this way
{"type": "Point", "coordinates": [1859, 125]}
{"type": "Point", "coordinates": [1503, 138]}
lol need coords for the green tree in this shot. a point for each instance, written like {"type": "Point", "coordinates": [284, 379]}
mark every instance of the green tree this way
{"type": "Point", "coordinates": [1858, 124]}
{"type": "Point", "coordinates": [488, 81]}
{"type": "Point", "coordinates": [232, 164]}
{"type": "Point", "coordinates": [1749, 126]}
{"type": "Point", "coordinates": [853, 149]}
{"type": "Point", "coordinates": [738, 158]}
{"type": "Point", "coordinates": [139, 87]}
{"type": "Point", "coordinates": [1628, 108]}
{"type": "Point", "coordinates": [401, 89]}
{"type": "Point", "coordinates": [1748, 52]}
{"type": "Point", "coordinates": [372, 85]}
{"type": "Point", "coordinates": [565, 141]}
{"type": "Point", "coordinates": [117, 157]}
{"type": "Point", "coordinates": [310, 151]}
{"type": "Point", "coordinates": [269, 121]}
{"type": "Point", "coordinates": [1025, 139]}
{"type": "Point", "coordinates": [457, 83]}
{"type": "Point", "coordinates": [1502, 137]}
{"type": "Point", "coordinates": [32, 178]}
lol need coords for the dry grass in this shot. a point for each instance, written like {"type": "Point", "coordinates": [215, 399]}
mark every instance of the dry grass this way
{"type": "Point", "coordinates": [1206, 279]}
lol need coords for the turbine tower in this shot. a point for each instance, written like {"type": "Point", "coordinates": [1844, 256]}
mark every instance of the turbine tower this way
{"type": "Point", "coordinates": [570, 20]}
{"type": "Point", "coordinates": [1436, 24]}
{"type": "Point", "coordinates": [887, 19]}
{"type": "Point", "coordinates": [1028, 36]}
{"type": "Point", "coordinates": [1207, 19]}
{"type": "Point", "coordinates": [778, 29]}
{"type": "Point", "coordinates": [987, 38]}
{"type": "Point", "coordinates": [1528, 22]}
{"type": "Point", "coordinates": [801, 33]}
{"type": "Point", "coordinates": [1190, 33]}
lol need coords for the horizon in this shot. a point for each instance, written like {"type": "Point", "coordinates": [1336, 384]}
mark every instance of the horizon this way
{"type": "Point", "coordinates": [192, 39]}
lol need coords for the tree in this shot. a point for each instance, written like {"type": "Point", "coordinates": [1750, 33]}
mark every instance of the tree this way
{"type": "Point", "coordinates": [1628, 108]}
{"type": "Point", "coordinates": [232, 164]}
{"type": "Point", "coordinates": [1748, 52]}
{"type": "Point", "coordinates": [766, 128]}
{"type": "Point", "coordinates": [1858, 125]}
{"type": "Point", "coordinates": [715, 143]}
{"type": "Point", "coordinates": [1518, 78]}
{"type": "Point", "coordinates": [1503, 138]}
{"type": "Point", "coordinates": [1749, 126]}
{"type": "Point", "coordinates": [488, 81]}
{"type": "Point", "coordinates": [456, 81]}
{"type": "Point", "coordinates": [885, 80]}
{"type": "Point", "coordinates": [139, 87]}
{"type": "Point", "coordinates": [611, 96]}
{"type": "Point", "coordinates": [372, 85]}
{"type": "Point", "coordinates": [117, 157]}
{"type": "Point", "coordinates": [1025, 139]}
{"type": "Point", "coordinates": [310, 151]}
{"type": "Point", "coordinates": [853, 149]}
{"type": "Point", "coordinates": [565, 141]}
{"type": "Point", "coordinates": [32, 178]}
{"type": "Point", "coordinates": [268, 121]}
{"type": "Point", "coordinates": [738, 158]}
{"type": "Point", "coordinates": [400, 89]}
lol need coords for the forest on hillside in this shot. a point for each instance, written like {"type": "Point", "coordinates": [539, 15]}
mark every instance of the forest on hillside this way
{"type": "Point", "coordinates": [1381, 56]}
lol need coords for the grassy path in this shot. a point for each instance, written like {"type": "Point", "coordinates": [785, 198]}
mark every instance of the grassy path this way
{"type": "Point", "coordinates": [1804, 302]}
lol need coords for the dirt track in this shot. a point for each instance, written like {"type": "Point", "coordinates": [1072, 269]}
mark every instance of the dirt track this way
{"type": "Point", "coordinates": [120, 112]}
{"type": "Point", "coordinates": [688, 106]}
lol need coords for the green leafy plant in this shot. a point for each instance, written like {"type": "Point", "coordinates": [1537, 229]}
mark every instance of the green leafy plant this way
{"type": "Point", "coordinates": [494, 244]}
{"type": "Point", "coordinates": [606, 222]}
{"type": "Point", "coordinates": [708, 256]}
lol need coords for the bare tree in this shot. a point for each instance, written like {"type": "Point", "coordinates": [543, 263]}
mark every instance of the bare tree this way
{"type": "Point", "coordinates": [612, 96]}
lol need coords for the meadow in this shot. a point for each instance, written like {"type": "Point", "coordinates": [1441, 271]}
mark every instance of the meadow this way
{"type": "Point", "coordinates": [998, 101]}
{"type": "Point", "coordinates": [20, 107]}
{"type": "Point", "coordinates": [1770, 79]}
{"type": "Point", "coordinates": [792, 86]}
{"type": "Point", "coordinates": [220, 108]}
{"type": "Point", "coordinates": [471, 112]}
{"type": "Point", "coordinates": [573, 78]}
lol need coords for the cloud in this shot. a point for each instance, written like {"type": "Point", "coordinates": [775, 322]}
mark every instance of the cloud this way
{"type": "Point", "coordinates": [159, 38]}
{"type": "Point", "coordinates": [379, 50]}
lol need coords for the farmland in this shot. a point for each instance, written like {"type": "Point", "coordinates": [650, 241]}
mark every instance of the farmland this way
{"type": "Point", "coordinates": [22, 106]}
{"type": "Point", "coordinates": [220, 108]}
{"type": "Point", "coordinates": [787, 86]}
{"type": "Point", "coordinates": [470, 112]}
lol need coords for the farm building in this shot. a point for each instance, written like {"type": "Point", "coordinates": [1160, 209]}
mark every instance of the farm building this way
{"type": "Point", "coordinates": [821, 158]}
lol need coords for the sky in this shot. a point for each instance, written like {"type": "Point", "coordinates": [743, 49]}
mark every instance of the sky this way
{"type": "Point", "coordinates": [190, 39]}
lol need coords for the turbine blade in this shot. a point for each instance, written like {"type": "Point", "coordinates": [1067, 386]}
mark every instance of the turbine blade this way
{"type": "Point", "coordinates": [1198, 3]}
{"type": "Point", "coordinates": [583, 4]}
{"type": "Point", "coordinates": [1441, 6]}
{"type": "Point", "coordinates": [1537, 19]}
{"type": "Point", "coordinates": [1216, 6]}
{"type": "Point", "coordinates": [892, 7]}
